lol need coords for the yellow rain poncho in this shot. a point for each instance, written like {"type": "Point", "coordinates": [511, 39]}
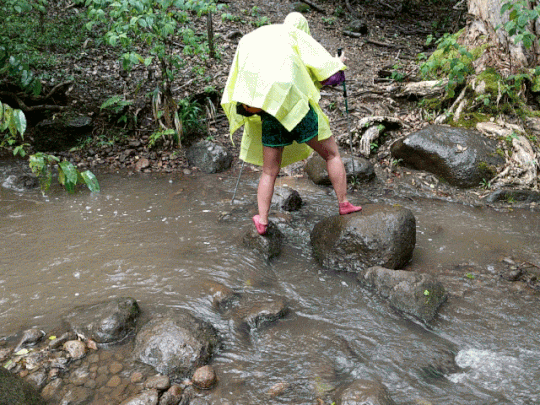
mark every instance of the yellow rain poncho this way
{"type": "Point", "coordinates": [277, 68]}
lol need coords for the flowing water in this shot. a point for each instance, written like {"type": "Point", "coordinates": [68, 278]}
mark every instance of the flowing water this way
{"type": "Point", "coordinates": [158, 239]}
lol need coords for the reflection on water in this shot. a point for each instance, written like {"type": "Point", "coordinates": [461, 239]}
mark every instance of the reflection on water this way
{"type": "Point", "coordinates": [158, 239]}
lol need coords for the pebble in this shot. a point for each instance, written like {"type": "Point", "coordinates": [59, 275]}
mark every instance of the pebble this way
{"type": "Point", "coordinates": [75, 348]}
{"type": "Point", "coordinates": [115, 367]}
{"type": "Point", "coordinates": [204, 377]}
{"type": "Point", "coordinates": [159, 382]}
{"type": "Point", "coordinates": [114, 382]}
{"type": "Point", "coordinates": [136, 377]}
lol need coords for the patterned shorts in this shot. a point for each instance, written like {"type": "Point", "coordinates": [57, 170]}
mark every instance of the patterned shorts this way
{"type": "Point", "coordinates": [275, 135]}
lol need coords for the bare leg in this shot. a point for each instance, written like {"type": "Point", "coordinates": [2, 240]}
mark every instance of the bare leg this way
{"type": "Point", "coordinates": [336, 171]}
{"type": "Point", "coordinates": [271, 166]}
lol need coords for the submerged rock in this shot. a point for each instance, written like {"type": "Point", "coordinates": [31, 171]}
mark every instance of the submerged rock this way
{"type": "Point", "coordinates": [366, 392]}
{"type": "Point", "coordinates": [462, 157]}
{"type": "Point", "coordinates": [29, 338]}
{"type": "Point", "coordinates": [106, 322]}
{"type": "Point", "coordinates": [379, 235]}
{"type": "Point", "coordinates": [204, 378]}
{"type": "Point", "coordinates": [512, 196]}
{"type": "Point", "coordinates": [254, 312]}
{"type": "Point", "coordinates": [149, 397]}
{"type": "Point", "coordinates": [176, 344]}
{"type": "Point", "coordinates": [416, 294]}
{"type": "Point", "coordinates": [16, 391]}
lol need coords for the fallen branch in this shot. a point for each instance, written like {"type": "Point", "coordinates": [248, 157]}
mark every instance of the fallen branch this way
{"type": "Point", "coordinates": [22, 105]}
{"type": "Point", "coordinates": [314, 6]}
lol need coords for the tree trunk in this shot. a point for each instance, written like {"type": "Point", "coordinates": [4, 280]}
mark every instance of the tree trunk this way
{"type": "Point", "coordinates": [506, 55]}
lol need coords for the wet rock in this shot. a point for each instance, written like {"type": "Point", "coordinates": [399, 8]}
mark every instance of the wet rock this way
{"type": "Point", "coordinates": [5, 353]}
{"type": "Point", "coordinates": [75, 348]}
{"type": "Point", "coordinates": [438, 363]}
{"type": "Point", "coordinates": [221, 295]}
{"type": "Point", "coordinates": [14, 390]}
{"type": "Point", "coordinates": [52, 390]}
{"type": "Point", "coordinates": [209, 157]}
{"type": "Point", "coordinates": [79, 376]}
{"type": "Point", "coordinates": [106, 322]}
{"type": "Point", "coordinates": [58, 342]}
{"type": "Point", "coordinates": [512, 196]}
{"type": "Point", "coordinates": [316, 170]}
{"type": "Point", "coordinates": [378, 235]}
{"type": "Point", "coordinates": [254, 312]}
{"type": "Point", "coordinates": [173, 396]}
{"type": "Point", "coordinates": [159, 382]}
{"type": "Point", "coordinates": [76, 396]}
{"type": "Point", "coordinates": [416, 294]}
{"type": "Point", "coordinates": [145, 398]}
{"type": "Point", "coordinates": [268, 245]}
{"type": "Point", "coordinates": [366, 392]}
{"type": "Point", "coordinates": [38, 380]}
{"type": "Point", "coordinates": [278, 389]}
{"type": "Point", "coordinates": [462, 157]}
{"type": "Point", "coordinates": [175, 345]}
{"type": "Point", "coordinates": [61, 134]}
{"type": "Point", "coordinates": [204, 378]}
{"type": "Point", "coordinates": [287, 199]}
{"type": "Point", "coordinates": [29, 338]}
{"type": "Point", "coordinates": [21, 182]}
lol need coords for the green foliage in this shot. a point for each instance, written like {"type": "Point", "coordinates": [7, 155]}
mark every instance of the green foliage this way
{"type": "Point", "coordinates": [12, 127]}
{"type": "Point", "coordinates": [396, 74]}
{"type": "Point", "coordinates": [485, 184]}
{"type": "Point", "coordinates": [451, 60]}
{"type": "Point", "coordinates": [329, 20]}
{"type": "Point", "coordinates": [42, 165]}
{"type": "Point", "coordinates": [117, 106]}
{"type": "Point", "coordinates": [520, 19]}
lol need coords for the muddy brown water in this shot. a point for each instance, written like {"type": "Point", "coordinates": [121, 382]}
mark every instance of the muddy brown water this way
{"type": "Point", "coordinates": [159, 239]}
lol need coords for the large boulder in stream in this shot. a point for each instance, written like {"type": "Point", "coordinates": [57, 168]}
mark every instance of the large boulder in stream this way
{"type": "Point", "coordinates": [316, 170]}
{"type": "Point", "coordinates": [379, 235]}
{"type": "Point", "coordinates": [176, 344]}
{"type": "Point", "coordinates": [106, 322]}
{"type": "Point", "coordinates": [209, 157]}
{"type": "Point", "coordinates": [462, 157]}
{"type": "Point", "coordinates": [15, 391]}
{"type": "Point", "coordinates": [416, 294]}
{"type": "Point", "coordinates": [365, 392]}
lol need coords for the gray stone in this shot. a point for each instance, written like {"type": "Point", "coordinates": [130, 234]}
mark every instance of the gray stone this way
{"type": "Point", "coordinates": [416, 294]}
{"type": "Point", "coordinates": [61, 134]}
{"type": "Point", "coordinates": [15, 391]}
{"type": "Point", "coordinates": [366, 392]}
{"type": "Point", "coordinates": [379, 235]}
{"type": "Point", "coordinates": [316, 170]}
{"type": "Point", "coordinates": [29, 338]}
{"type": "Point", "coordinates": [149, 397]}
{"type": "Point", "coordinates": [37, 379]}
{"type": "Point", "coordinates": [268, 245]}
{"type": "Point", "coordinates": [209, 157]}
{"type": "Point", "coordinates": [75, 348]}
{"type": "Point", "coordinates": [511, 196]}
{"type": "Point", "coordinates": [287, 199]}
{"type": "Point", "coordinates": [76, 396]}
{"type": "Point", "coordinates": [462, 157]}
{"type": "Point", "coordinates": [159, 382]}
{"type": "Point", "coordinates": [176, 344]}
{"type": "Point", "coordinates": [254, 312]}
{"type": "Point", "coordinates": [106, 322]}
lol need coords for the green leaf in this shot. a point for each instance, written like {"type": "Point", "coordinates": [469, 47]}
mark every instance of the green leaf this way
{"type": "Point", "coordinates": [20, 121]}
{"type": "Point", "coordinates": [91, 181]}
{"type": "Point", "coordinates": [70, 173]}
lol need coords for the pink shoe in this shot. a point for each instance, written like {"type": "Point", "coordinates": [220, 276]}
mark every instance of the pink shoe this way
{"type": "Point", "coordinates": [261, 228]}
{"type": "Point", "coordinates": [347, 208]}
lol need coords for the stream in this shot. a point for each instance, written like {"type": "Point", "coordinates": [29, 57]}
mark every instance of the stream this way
{"type": "Point", "coordinates": [158, 239]}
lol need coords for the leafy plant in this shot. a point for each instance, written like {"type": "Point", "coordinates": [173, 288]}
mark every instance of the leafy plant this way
{"type": "Point", "coordinates": [520, 19]}
{"type": "Point", "coordinates": [451, 59]}
{"type": "Point", "coordinates": [396, 75]}
{"type": "Point", "coordinates": [117, 105]}
{"type": "Point", "coordinates": [329, 20]}
{"type": "Point", "coordinates": [485, 184]}
{"type": "Point", "coordinates": [12, 126]}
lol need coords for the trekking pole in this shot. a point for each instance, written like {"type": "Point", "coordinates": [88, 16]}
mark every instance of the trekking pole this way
{"type": "Point", "coordinates": [237, 181]}
{"type": "Point", "coordinates": [339, 51]}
